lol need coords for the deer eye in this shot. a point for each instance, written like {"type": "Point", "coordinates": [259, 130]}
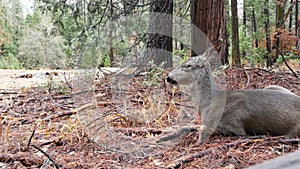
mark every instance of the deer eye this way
{"type": "Point", "coordinates": [188, 66]}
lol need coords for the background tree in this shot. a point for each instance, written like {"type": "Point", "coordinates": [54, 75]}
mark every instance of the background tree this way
{"type": "Point", "coordinates": [42, 46]}
{"type": "Point", "coordinates": [236, 61]}
{"type": "Point", "coordinates": [91, 33]}
{"type": "Point", "coordinates": [11, 23]}
{"type": "Point", "coordinates": [244, 24]}
{"type": "Point", "coordinates": [267, 30]}
{"type": "Point", "coordinates": [209, 17]}
{"type": "Point", "coordinates": [296, 26]}
{"type": "Point", "coordinates": [160, 46]}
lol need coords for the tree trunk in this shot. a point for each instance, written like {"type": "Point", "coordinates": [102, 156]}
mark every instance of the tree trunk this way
{"type": "Point", "coordinates": [111, 49]}
{"type": "Point", "coordinates": [279, 25]}
{"type": "Point", "coordinates": [254, 26]}
{"type": "Point", "coordinates": [208, 25]}
{"type": "Point", "coordinates": [291, 18]}
{"type": "Point", "coordinates": [267, 30]}
{"type": "Point", "coordinates": [296, 26]}
{"type": "Point", "coordinates": [159, 44]}
{"type": "Point", "coordinates": [296, 17]}
{"type": "Point", "coordinates": [280, 13]}
{"type": "Point", "coordinates": [236, 61]}
{"type": "Point", "coordinates": [244, 23]}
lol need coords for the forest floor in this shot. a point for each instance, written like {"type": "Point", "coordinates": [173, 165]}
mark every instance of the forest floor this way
{"type": "Point", "coordinates": [47, 121]}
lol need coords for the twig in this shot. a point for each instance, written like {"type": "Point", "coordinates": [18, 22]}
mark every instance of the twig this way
{"type": "Point", "coordinates": [188, 158]}
{"type": "Point", "coordinates": [287, 14]}
{"type": "Point", "coordinates": [261, 69]}
{"type": "Point", "coordinates": [75, 111]}
{"type": "Point", "coordinates": [104, 124]}
{"type": "Point", "coordinates": [248, 78]}
{"type": "Point", "coordinates": [67, 82]}
{"type": "Point", "coordinates": [23, 158]}
{"type": "Point", "coordinates": [47, 155]}
{"type": "Point", "coordinates": [62, 97]}
{"type": "Point", "coordinates": [141, 131]}
{"type": "Point", "coordinates": [8, 92]}
{"type": "Point", "coordinates": [29, 141]}
{"type": "Point", "coordinates": [285, 61]}
{"type": "Point", "coordinates": [290, 140]}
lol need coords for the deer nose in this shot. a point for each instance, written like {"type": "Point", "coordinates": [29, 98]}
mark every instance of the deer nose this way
{"type": "Point", "coordinates": [170, 80]}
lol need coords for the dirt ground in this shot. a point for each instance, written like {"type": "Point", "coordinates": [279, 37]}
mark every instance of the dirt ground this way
{"type": "Point", "coordinates": [17, 79]}
{"type": "Point", "coordinates": [46, 123]}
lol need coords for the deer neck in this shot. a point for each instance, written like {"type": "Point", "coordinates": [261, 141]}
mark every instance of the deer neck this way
{"type": "Point", "coordinates": [201, 91]}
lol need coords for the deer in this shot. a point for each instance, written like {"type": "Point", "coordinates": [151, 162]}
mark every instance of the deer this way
{"type": "Point", "coordinates": [273, 110]}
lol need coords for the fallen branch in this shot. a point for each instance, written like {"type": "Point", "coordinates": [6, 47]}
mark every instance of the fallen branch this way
{"type": "Point", "coordinates": [47, 155]}
{"type": "Point", "coordinates": [248, 79]}
{"type": "Point", "coordinates": [29, 142]}
{"type": "Point", "coordinates": [8, 92]}
{"type": "Point", "coordinates": [283, 58]}
{"type": "Point", "coordinates": [79, 109]}
{"type": "Point", "coordinates": [23, 158]}
{"type": "Point", "coordinates": [188, 158]}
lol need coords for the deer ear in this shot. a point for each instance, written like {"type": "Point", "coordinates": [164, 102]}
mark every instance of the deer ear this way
{"type": "Point", "coordinates": [210, 52]}
{"type": "Point", "coordinates": [211, 56]}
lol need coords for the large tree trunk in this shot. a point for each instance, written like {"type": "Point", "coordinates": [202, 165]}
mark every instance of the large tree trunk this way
{"type": "Point", "coordinates": [236, 60]}
{"type": "Point", "coordinates": [208, 18]}
{"type": "Point", "coordinates": [159, 44]}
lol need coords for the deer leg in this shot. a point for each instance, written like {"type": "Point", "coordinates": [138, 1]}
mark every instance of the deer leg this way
{"type": "Point", "coordinates": [204, 133]}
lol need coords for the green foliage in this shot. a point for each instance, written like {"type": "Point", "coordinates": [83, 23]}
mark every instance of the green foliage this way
{"type": "Point", "coordinates": [288, 56]}
{"type": "Point", "coordinates": [42, 46]}
{"type": "Point", "coordinates": [245, 41]}
{"type": "Point", "coordinates": [104, 61]}
{"type": "Point", "coordinates": [11, 24]}
{"type": "Point", "coordinates": [184, 54]}
{"type": "Point", "coordinates": [9, 62]}
{"type": "Point", "coordinates": [179, 56]}
{"type": "Point", "coordinates": [256, 56]}
{"type": "Point", "coordinates": [52, 85]}
{"type": "Point", "coordinates": [34, 19]}
{"type": "Point", "coordinates": [153, 77]}
{"type": "Point", "coordinates": [62, 34]}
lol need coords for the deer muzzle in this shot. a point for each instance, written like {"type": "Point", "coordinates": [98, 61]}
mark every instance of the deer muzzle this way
{"type": "Point", "coordinates": [170, 80]}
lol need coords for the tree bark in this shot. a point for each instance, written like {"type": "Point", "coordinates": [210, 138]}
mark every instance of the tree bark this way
{"type": "Point", "coordinates": [296, 17]}
{"type": "Point", "coordinates": [208, 25]}
{"type": "Point", "coordinates": [280, 13]}
{"type": "Point", "coordinates": [291, 19]}
{"type": "Point", "coordinates": [111, 48]}
{"type": "Point", "coordinates": [244, 23]}
{"type": "Point", "coordinates": [160, 43]}
{"type": "Point", "coordinates": [267, 30]}
{"type": "Point", "coordinates": [279, 25]}
{"type": "Point", "coordinates": [254, 26]}
{"type": "Point", "coordinates": [296, 26]}
{"type": "Point", "coordinates": [236, 61]}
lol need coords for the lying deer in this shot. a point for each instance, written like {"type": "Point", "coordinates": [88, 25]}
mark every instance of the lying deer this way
{"type": "Point", "coordinates": [274, 110]}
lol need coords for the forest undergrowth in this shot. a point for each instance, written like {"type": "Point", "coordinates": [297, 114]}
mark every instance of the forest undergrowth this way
{"type": "Point", "coordinates": [46, 127]}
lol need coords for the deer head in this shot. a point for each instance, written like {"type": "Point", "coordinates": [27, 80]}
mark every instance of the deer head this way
{"type": "Point", "coordinates": [193, 68]}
